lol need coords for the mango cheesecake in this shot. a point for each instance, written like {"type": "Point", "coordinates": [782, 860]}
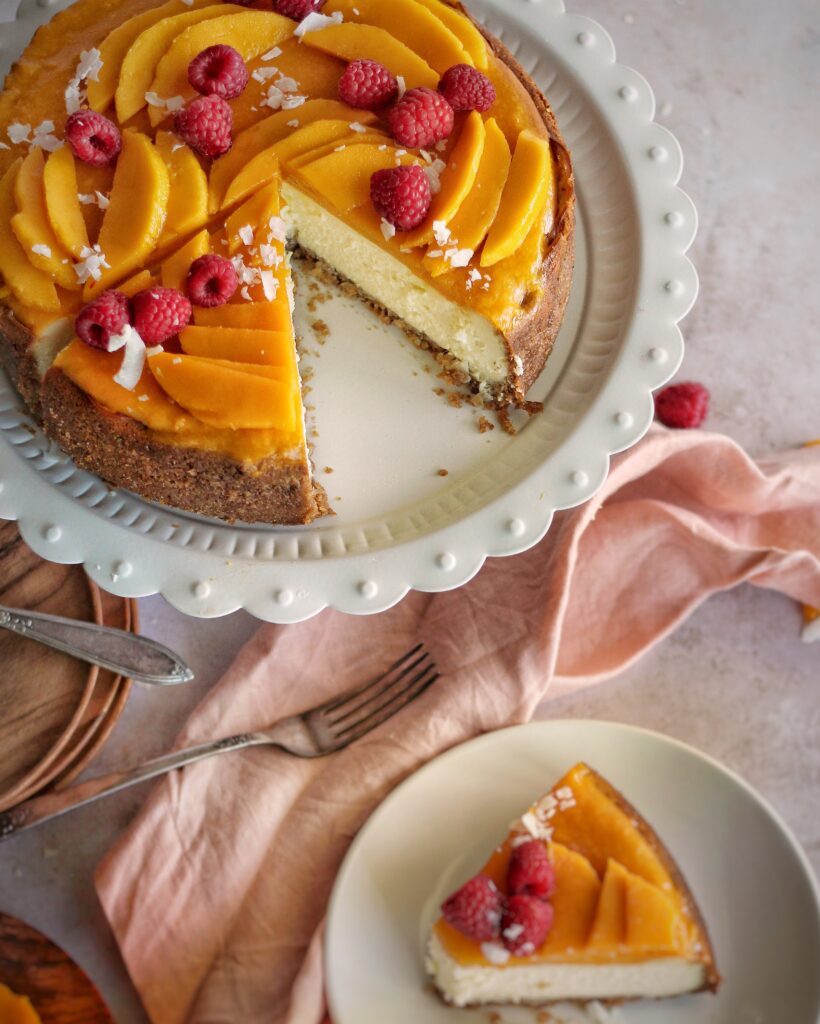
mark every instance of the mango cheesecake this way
{"type": "Point", "coordinates": [581, 901]}
{"type": "Point", "coordinates": [171, 160]}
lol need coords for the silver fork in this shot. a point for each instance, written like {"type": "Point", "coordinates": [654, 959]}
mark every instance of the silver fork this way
{"type": "Point", "coordinates": [314, 733]}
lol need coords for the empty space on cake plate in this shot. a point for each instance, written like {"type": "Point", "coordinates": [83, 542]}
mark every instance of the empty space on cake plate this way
{"type": "Point", "coordinates": [422, 496]}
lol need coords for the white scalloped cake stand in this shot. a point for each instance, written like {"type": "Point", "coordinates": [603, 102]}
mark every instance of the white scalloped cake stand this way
{"type": "Point", "coordinates": [379, 427]}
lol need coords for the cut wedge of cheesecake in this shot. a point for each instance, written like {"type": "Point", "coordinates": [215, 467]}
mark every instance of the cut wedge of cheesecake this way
{"type": "Point", "coordinates": [215, 423]}
{"type": "Point", "coordinates": [625, 924]}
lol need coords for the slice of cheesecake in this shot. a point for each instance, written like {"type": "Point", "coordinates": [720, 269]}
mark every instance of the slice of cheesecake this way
{"type": "Point", "coordinates": [582, 902]}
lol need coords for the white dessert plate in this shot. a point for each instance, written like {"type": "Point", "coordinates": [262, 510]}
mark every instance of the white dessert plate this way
{"type": "Point", "coordinates": [753, 882]}
{"type": "Point", "coordinates": [385, 435]}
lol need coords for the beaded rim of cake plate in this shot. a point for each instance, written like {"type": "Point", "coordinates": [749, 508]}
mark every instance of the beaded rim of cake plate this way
{"type": "Point", "coordinates": [638, 225]}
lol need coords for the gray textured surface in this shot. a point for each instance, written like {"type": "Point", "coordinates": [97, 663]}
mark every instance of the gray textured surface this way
{"type": "Point", "coordinates": [738, 85]}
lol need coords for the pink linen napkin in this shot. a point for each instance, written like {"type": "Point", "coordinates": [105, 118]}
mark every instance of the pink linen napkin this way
{"type": "Point", "coordinates": [217, 892]}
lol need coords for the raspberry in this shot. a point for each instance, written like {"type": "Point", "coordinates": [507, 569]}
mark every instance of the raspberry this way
{"type": "Point", "coordinates": [465, 88]}
{"type": "Point", "coordinates": [401, 195]}
{"type": "Point", "coordinates": [475, 909]}
{"type": "Point", "coordinates": [106, 315]}
{"type": "Point", "coordinates": [211, 281]}
{"type": "Point", "coordinates": [420, 118]}
{"type": "Point", "coordinates": [92, 138]}
{"type": "Point", "coordinates": [160, 313]}
{"type": "Point", "coordinates": [368, 85]}
{"type": "Point", "coordinates": [525, 923]}
{"type": "Point", "coordinates": [530, 872]}
{"type": "Point", "coordinates": [297, 9]}
{"type": "Point", "coordinates": [682, 405]}
{"type": "Point", "coordinates": [220, 71]}
{"type": "Point", "coordinates": [205, 124]}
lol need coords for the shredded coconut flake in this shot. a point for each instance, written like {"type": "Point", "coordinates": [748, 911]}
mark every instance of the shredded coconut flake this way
{"type": "Point", "coordinates": [263, 74]}
{"type": "Point", "coordinates": [246, 234]}
{"type": "Point", "coordinates": [294, 123]}
{"type": "Point", "coordinates": [356, 127]}
{"type": "Point", "coordinates": [459, 257]}
{"type": "Point", "coordinates": [18, 132]}
{"type": "Point", "coordinates": [277, 229]}
{"type": "Point", "coordinates": [87, 69]}
{"type": "Point", "coordinates": [433, 172]}
{"type": "Point", "coordinates": [272, 54]}
{"type": "Point", "coordinates": [270, 286]}
{"type": "Point", "coordinates": [42, 250]}
{"type": "Point", "coordinates": [494, 952]}
{"type": "Point", "coordinates": [388, 229]}
{"type": "Point", "coordinates": [291, 102]}
{"type": "Point", "coordinates": [173, 103]}
{"type": "Point", "coordinates": [133, 359]}
{"type": "Point", "coordinates": [315, 21]}
{"type": "Point", "coordinates": [90, 264]}
{"type": "Point", "coordinates": [269, 255]}
{"type": "Point", "coordinates": [402, 86]}
{"type": "Point", "coordinates": [441, 232]}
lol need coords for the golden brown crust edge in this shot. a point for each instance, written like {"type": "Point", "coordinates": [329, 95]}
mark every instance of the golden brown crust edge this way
{"type": "Point", "coordinates": [127, 455]}
{"type": "Point", "coordinates": [712, 979]}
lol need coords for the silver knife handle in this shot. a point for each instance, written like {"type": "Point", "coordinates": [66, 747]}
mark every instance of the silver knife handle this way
{"type": "Point", "coordinates": [128, 654]}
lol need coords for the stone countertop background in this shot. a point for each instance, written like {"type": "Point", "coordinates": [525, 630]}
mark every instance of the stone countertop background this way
{"type": "Point", "coordinates": [738, 86]}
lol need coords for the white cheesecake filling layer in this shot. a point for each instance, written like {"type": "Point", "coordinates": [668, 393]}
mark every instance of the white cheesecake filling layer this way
{"type": "Point", "coordinates": [542, 983]}
{"type": "Point", "coordinates": [464, 333]}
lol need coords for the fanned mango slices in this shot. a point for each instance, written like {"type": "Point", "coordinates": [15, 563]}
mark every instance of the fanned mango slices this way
{"type": "Point", "coordinates": [63, 202]}
{"type": "Point", "coordinates": [136, 211]}
{"type": "Point", "coordinates": [343, 177]}
{"type": "Point", "coordinates": [250, 33]}
{"type": "Point", "coordinates": [117, 44]}
{"type": "Point", "coordinates": [265, 133]}
{"type": "Point", "coordinates": [456, 181]}
{"type": "Point", "coordinates": [147, 50]}
{"type": "Point", "coordinates": [188, 196]}
{"type": "Point", "coordinates": [412, 24]}
{"type": "Point", "coordinates": [461, 26]}
{"type": "Point", "coordinates": [30, 286]}
{"type": "Point", "coordinates": [478, 210]}
{"type": "Point", "coordinates": [32, 227]}
{"type": "Point", "coordinates": [530, 186]}
{"type": "Point", "coordinates": [367, 42]}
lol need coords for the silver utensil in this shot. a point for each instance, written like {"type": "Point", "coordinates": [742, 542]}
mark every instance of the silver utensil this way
{"type": "Point", "coordinates": [143, 660]}
{"type": "Point", "coordinates": [314, 733]}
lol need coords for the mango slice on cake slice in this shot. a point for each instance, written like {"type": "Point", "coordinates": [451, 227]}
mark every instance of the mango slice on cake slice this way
{"type": "Point", "coordinates": [367, 42]}
{"type": "Point", "coordinates": [412, 24]}
{"type": "Point", "coordinates": [136, 211]}
{"type": "Point", "coordinates": [174, 269]}
{"type": "Point", "coordinates": [30, 286]}
{"type": "Point", "coordinates": [528, 192]}
{"type": "Point", "coordinates": [32, 226]}
{"type": "Point", "coordinates": [461, 27]}
{"type": "Point", "coordinates": [265, 316]}
{"type": "Point", "coordinates": [250, 33]}
{"type": "Point", "coordinates": [240, 345]}
{"type": "Point", "coordinates": [63, 203]}
{"type": "Point", "coordinates": [188, 184]}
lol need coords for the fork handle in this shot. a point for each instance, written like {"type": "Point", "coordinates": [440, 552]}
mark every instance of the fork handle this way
{"type": "Point", "coordinates": [44, 808]}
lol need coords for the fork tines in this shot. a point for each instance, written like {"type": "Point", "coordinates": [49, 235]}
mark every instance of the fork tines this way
{"type": "Point", "coordinates": [355, 714]}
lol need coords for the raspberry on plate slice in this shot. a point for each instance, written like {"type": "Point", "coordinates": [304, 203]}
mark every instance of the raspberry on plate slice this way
{"type": "Point", "coordinates": [107, 315]}
{"type": "Point", "coordinates": [420, 118]}
{"type": "Point", "coordinates": [466, 88]}
{"type": "Point", "coordinates": [206, 125]}
{"type": "Point", "coordinates": [368, 85]}
{"type": "Point", "coordinates": [475, 909]}
{"type": "Point", "coordinates": [92, 138]}
{"type": "Point", "coordinates": [219, 70]}
{"type": "Point", "coordinates": [525, 923]}
{"type": "Point", "coordinates": [159, 314]}
{"type": "Point", "coordinates": [401, 195]}
{"type": "Point", "coordinates": [682, 406]}
{"type": "Point", "coordinates": [297, 9]}
{"type": "Point", "coordinates": [211, 281]}
{"type": "Point", "coordinates": [530, 872]}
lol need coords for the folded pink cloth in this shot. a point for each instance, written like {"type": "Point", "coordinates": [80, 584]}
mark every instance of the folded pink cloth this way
{"type": "Point", "coordinates": [217, 892]}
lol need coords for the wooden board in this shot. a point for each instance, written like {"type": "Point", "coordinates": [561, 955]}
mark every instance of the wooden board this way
{"type": "Point", "coordinates": [43, 693]}
{"type": "Point", "coordinates": [32, 965]}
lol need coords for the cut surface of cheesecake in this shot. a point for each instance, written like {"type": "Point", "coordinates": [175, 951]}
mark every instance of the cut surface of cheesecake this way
{"type": "Point", "coordinates": [481, 282]}
{"type": "Point", "coordinates": [624, 923]}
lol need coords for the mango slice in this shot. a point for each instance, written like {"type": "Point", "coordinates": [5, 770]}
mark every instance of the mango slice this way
{"type": "Point", "coordinates": [117, 44]}
{"type": "Point", "coordinates": [343, 178]}
{"type": "Point", "coordinates": [265, 133]}
{"type": "Point", "coordinates": [188, 196]}
{"type": "Point", "coordinates": [609, 925]}
{"type": "Point", "coordinates": [367, 42]}
{"type": "Point", "coordinates": [140, 62]}
{"type": "Point", "coordinates": [371, 137]}
{"type": "Point", "coordinates": [93, 371]}
{"type": "Point", "coordinates": [260, 171]}
{"type": "Point", "coordinates": [529, 185]}
{"type": "Point", "coordinates": [412, 24]}
{"type": "Point", "coordinates": [461, 27]}
{"type": "Point", "coordinates": [32, 226]}
{"type": "Point", "coordinates": [575, 900]}
{"type": "Point", "coordinates": [265, 316]}
{"type": "Point", "coordinates": [255, 213]}
{"type": "Point", "coordinates": [456, 181]}
{"type": "Point", "coordinates": [62, 201]}
{"type": "Point", "coordinates": [30, 286]}
{"type": "Point", "coordinates": [174, 270]}
{"type": "Point", "coordinates": [238, 344]}
{"type": "Point", "coordinates": [233, 395]}
{"type": "Point", "coordinates": [250, 33]}
{"type": "Point", "coordinates": [478, 210]}
{"type": "Point", "coordinates": [138, 283]}
{"type": "Point", "coordinates": [16, 1009]}
{"type": "Point", "coordinates": [318, 78]}
{"type": "Point", "coordinates": [136, 212]}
